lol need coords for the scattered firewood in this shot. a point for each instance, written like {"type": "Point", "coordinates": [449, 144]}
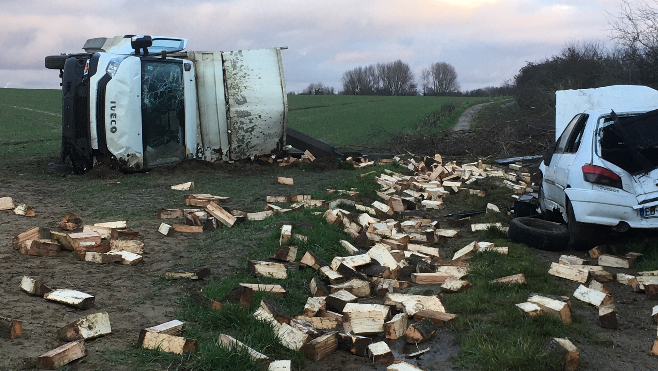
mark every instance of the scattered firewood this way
{"type": "Point", "coordinates": [318, 288]}
{"type": "Point", "coordinates": [553, 307]}
{"type": "Point", "coordinates": [33, 286]}
{"type": "Point", "coordinates": [229, 342]}
{"type": "Point", "coordinates": [133, 246]}
{"type": "Point", "coordinates": [88, 327]}
{"type": "Point", "coordinates": [467, 251]}
{"type": "Point", "coordinates": [220, 214]}
{"type": "Point", "coordinates": [165, 229]}
{"type": "Point", "coordinates": [62, 239]}
{"type": "Point", "coordinates": [24, 210]}
{"type": "Point", "coordinates": [568, 272]}
{"type": "Point", "coordinates": [338, 300]}
{"type": "Point", "coordinates": [594, 297]}
{"type": "Point", "coordinates": [334, 277]}
{"type": "Point", "coordinates": [286, 253]}
{"type": "Point", "coordinates": [6, 203]}
{"type": "Point", "coordinates": [355, 286]}
{"type": "Point", "coordinates": [322, 323]}
{"type": "Point", "coordinates": [73, 298]}
{"type": "Point", "coordinates": [203, 199]}
{"type": "Point", "coordinates": [654, 314]}
{"type": "Point", "coordinates": [453, 284]}
{"type": "Point", "coordinates": [613, 261]}
{"type": "Point", "coordinates": [285, 181]}
{"type": "Point", "coordinates": [63, 355]}
{"type": "Point", "coordinates": [121, 224]}
{"type": "Point", "coordinates": [651, 289]}
{"type": "Point", "coordinates": [567, 351]}
{"type": "Point", "coordinates": [484, 226]}
{"type": "Point", "coordinates": [597, 251]}
{"type": "Point", "coordinates": [24, 238]}
{"type": "Point", "coordinates": [268, 269]}
{"type": "Point", "coordinates": [596, 285]}
{"type": "Point", "coordinates": [438, 318]}
{"type": "Point", "coordinates": [627, 279]}
{"type": "Point", "coordinates": [99, 258]}
{"type": "Point", "coordinates": [571, 260]}
{"type": "Point", "coordinates": [312, 261]}
{"type": "Point", "coordinates": [202, 300]}
{"type": "Point", "coordinates": [355, 344]}
{"type": "Point", "coordinates": [420, 332]}
{"type": "Point", "coordinates": [429, 278]}
{"type": "Point", "coordinates": [282, 365]}
{"type": "Point", "coordinates": [321, 347]}
{"type": "Point", "coordinates": [529, 308]}
{"type": "Point", "coordinates": [608, 316]}
{"type": "Point", "coordinates": [77, 239]}
{"type": "Point", "coordinates": [193, 273]}
{"type": "Point", "coordinates": [412, 304]}
{"type": "Point", "coordinates": [517, 278]}
{"type": "Point", "coordinates": [183, 228]}
{"type": "Point", "coordinates": [366, 319]}
{"type": "Point", "coordinates": [396, 327]}
{"type": "Point", "coordinates": [127, 258]}
{"type": "Point", "coordinates": [10, 328]}
{"type": "Point", "coordinates": [41, 247]}
{"type": "Point", "coordinates": [602, 276]}
{"type": "Point", "coordinates": [405, 366]}
{"type": "Point", "coordinates": [183, 186]}
{"type": "Point", "coordinates": [380, 353]}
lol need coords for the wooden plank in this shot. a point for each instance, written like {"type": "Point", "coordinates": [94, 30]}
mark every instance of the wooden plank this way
{"type": "Point", "coordinates": [10, 328]}
{"type": "Point", "coordinates": [220, 214]}
{"type": "Point", "coordinates": [62, 355]}
{"type": "Point", "coordinates": [72, 298]}
{"type": "Point", "coordinates": [88, 327]}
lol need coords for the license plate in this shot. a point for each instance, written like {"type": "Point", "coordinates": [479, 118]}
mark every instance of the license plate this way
{"type": "Point", "coordinates": [648, 212]}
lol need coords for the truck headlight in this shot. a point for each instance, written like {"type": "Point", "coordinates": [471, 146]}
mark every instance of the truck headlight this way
{"type": "Point", "coordinates": [113, 66]}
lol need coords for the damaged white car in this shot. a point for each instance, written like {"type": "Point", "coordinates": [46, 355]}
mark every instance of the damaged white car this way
{"type": "Point", "coordinates": [602, 172]}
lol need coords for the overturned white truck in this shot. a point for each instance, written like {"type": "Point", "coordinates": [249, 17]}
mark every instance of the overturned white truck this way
{"type": "Point", "coordinates": [140, 102]}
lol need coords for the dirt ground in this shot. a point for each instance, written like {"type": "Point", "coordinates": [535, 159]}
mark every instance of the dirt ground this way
{"type": "Point", "coordinates": [136, 296]}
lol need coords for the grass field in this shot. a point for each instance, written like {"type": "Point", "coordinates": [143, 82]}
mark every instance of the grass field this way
{"type": "Point", "coordinates": [353, 121]}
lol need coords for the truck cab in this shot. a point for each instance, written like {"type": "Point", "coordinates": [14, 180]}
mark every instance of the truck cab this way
{"type": "Point", "coordinates": [138, 102]}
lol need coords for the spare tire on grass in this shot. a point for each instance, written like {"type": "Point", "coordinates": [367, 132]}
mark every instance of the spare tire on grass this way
{"type": "Point", "coordinates": [538, 233]}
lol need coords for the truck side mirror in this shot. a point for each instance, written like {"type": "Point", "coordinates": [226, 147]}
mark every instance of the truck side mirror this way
{"type": "Point", "coordinates": [141, 42]}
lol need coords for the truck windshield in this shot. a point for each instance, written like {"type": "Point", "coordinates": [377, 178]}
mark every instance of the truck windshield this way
{"type": "Point", "coordinates": [163, 112]}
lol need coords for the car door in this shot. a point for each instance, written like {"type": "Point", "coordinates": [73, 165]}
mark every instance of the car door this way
{"type": "Point", "coordinates": [558, 163]}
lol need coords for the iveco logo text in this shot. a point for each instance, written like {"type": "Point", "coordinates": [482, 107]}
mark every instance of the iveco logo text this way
{"type": "Point", "coordinates": [113, 117]}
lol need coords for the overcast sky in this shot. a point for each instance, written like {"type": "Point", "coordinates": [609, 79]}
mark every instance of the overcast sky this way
{"type": "Point", "coordinates": [487, 41]}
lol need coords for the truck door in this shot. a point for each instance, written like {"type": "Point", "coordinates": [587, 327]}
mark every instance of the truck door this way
{"type": "Point", "coordinates": [257, 103]}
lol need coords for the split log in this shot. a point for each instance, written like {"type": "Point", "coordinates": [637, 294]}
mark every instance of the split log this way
{"type": "Point", "coordinates": [105, 232]}
{"type": "Point", "coordinates": [24, 238]}
{"type": "Point", "coordinates": [287, 253]}
{"type": "Point", "coordinates": [567, 351]}
{"type": "Point", "coordinates": [602, 276]}
{"type": "Point", "coordinates": [282, 365]}
{"type": "Point", "coordinates": [594, 297]}
{"type": "Point", "coordinates": [355, 344]}
{"type": "Point", "coordinates": [24, 210]}
{"type": "Point", "coordinates": [167, 343]}
{"type": "Point", "coordinates": [318, 288]}
{"type": "Point", "coordinates": [261, 215]}
{"type": "Point", "coordinates": [202, 300]}
{"type": "Point", "coordinates": [98, 257]}
{"type": "Point", "coordinates": [334, 277]}
{"type": "Point", "coordinates": [571, 260]}
{"type": "Point", "coordinates": [73, 298]}
{"type": "Point", "coordinates": [10, 328]}
{"type": "Point", "coordinates": [133, 246]}
{"type": "Point", "coordinates": [193, 273]}
{"type": "Point", "coordinates": [420, 332]}
{"type": "Point", "coordinates": [627, 279]}
{"type": "Point", "coordinates": [466, 251]}
{"type": "Point", "coordinates": [170, 213]}
{"type": "Point", "coordinates": [285, 181]}
{"type": "Point", "coordinates": [380, 253]}
{"type": "Point", "coordinates": [405, 366]}
{"type": "Point", "coordinates": [597, 251]}
{"type": "Point", "coordinates": [351, 261]}
{"type": "Point", "coordinates": [183, 228]}
{"type": "Point", "coordinates": [6, 203]}
{"type": "Point", "coordinates": [412, 304]}
{"type": "Point", "coordinates": [268, 269]}
{"type": "Point", "coordinates": [76, 239]}
{"type": "Point", "coordinates": [62, 239]}
{"type": "Point", "coordinates": [183, 186]}
{"type": "Point", "coordinates": [608, 316]}
{"type": "Point", "coordinates": [291, 337]}
{"type": "Point", "coordinates": [243, 292]}
{"type": "Point", "coordinates": [88, 327]}
{"type": "Point", "coordinates": [529, 308]}
{"type": "Point", "coordinates": [366, 319]}
{"type": "Point", "coordinates": [553, 307]}
{"type": "Point", "coordinates": [203, 199]}
{"type": "Point", "coordinates": [228, 342]}
{"type": "Point", "coordinates": [484, 226]}
{"type": "Point", "coordinates": [121, 224]}
{"type": "Point", "coordinates": [613, 261]}
{"type": "Point", "coordinates": [598, 286]}
{"type": "Point", "coordinates": [650, 289]}
{"type": "Point", "coordinates": [321, 347]}
{"type": "Point", "coordinates": [165, 229]}
{"type": "Point", "coordinates": [433, 251]}
{"type": "Point", "coordinates": [517, 278]}
{"type": "Point", "coordinates": [452, 284]}
{"type": "Point", "coordinates": [63, 355]}
{"type": "Point", "coordinates": [453, 271]}
{"type": "Point", "coordinates": [41, 247]}
{"type": "Point", "coordinates": [568, 272]}
{"type": "Point", "coordinates": [322, 323]}
{"type": "Point", "coordinates": [382, 208]}
{"type": "Point", "coordinates": [355, 286]}
{"type": "Point", "coordinates": [380, 353]}
{"type": "Point", "coordinates": [438, 318]}
{"type": "Point", "coordinates": [127, 258]}
{"type": "Point", "coordinates": [274, 310]}
{"type": "Point", "coordinates": [32, 286]}
{"type": "Point", "coordinates": [396, 327]}
{"type": "Point", "coordinates": [310, 260]}
{"type": "Point", "coordinates": [220, 214]}
{"type": "Point", "coordinates": [654, 314]}
{"type": "Point", "coordinates": [429, 278]}
{"type": "Point", "coordinates": [338, 300]}
{"type": "Point", "coordinates": [286, 234]}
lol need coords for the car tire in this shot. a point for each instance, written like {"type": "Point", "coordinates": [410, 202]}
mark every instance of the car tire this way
{"type": "Point", "coordinates": [56, 62]}
{"type": "Point", "coordinates": [582, 236]}
{"type": "Point", "coordinates": [538, 233]}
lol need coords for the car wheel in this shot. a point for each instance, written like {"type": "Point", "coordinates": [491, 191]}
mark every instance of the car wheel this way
{"type": "Point", "coordinates": [538, 233]}
{"type": "Point", "coordinates": [56, 62]}
{"type": "Point", "coordinates": [582, 236]}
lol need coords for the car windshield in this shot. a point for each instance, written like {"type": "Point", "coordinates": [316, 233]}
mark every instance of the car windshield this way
{"type": "Point", "coordinates": [163, 112]}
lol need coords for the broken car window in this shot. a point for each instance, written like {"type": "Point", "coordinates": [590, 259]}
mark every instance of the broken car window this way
{"type": "Point", "coordinates": [163, 112]}
{"type": "Point", "coordinates": [642, 131]}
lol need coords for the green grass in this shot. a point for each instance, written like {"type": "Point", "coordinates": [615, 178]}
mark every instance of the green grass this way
{"type": "Point", "coordinates": [361, 120]}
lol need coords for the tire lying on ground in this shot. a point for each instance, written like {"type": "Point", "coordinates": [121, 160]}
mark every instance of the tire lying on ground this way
{"type": "Point", "coordinates": [538, 233]}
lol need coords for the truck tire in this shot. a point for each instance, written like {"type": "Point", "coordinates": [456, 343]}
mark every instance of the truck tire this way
{"type": "Point", "coordinates": [538, 233]}
{"type": "Point", "coordinates": [56, 62]}
{"type": "Point", "coordinates": [582, 236]}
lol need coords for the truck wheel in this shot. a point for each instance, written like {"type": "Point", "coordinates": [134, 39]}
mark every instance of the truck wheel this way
{"type": "Point", "coordinates": [538, 233]}
{"type": "Point", "coordinates": [56, 62]}
{"type": "Point", "coordinates": [582, 236]}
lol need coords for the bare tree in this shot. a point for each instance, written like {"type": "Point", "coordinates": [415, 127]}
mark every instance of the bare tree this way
{"type": "Point", "coordinates": [440, 78]}
{"type": "Point", "coordinates": [318, 89]}
{"type": "Point", "coordinates": [361, 81]}
{"type": "Point", "coordinates": [396, 78]}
